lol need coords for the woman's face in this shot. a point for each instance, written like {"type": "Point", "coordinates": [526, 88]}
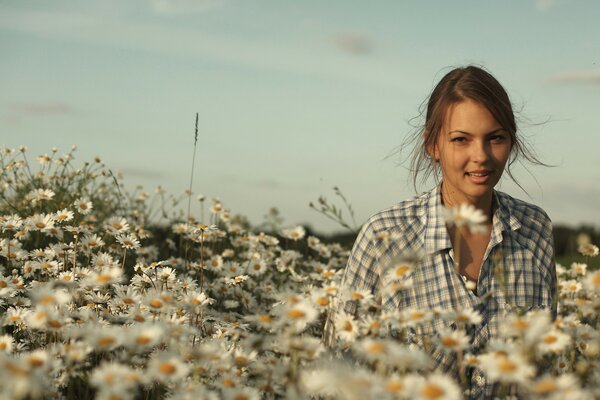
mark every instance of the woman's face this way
{"type": "Point", "coordinates": [472, 149]}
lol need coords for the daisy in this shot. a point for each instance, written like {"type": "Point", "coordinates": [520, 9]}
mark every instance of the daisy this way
{"type": "Point", "coordinates": [90, 241]}
{"type": "Point", "coordinates": [588, 250]}
{"type": "Point", "coordinates": [40, 195]}
{"type": "Point", "coordinates": [11, 223]}
{"type": "Point", "coordinates": [296, 233]}
{"type": "Point", "coordinates": [435, 386]}
{"type": "Point", "coordinates": [298, 315]}
{"type": "Point", "coordinates": [144, 336]}
{"type": "Point", "coordinates": [180, 228]}
{"type": "Point", "coordinates": [128, 241]}
{"type": "Point", "coordinates": [569, 287]}
{"type": "Point", "coordinates": [507, 368]}
{"type": "Point", "coordinates": [40, 222]}
{"type": "Point", "coordinates": [375, 349]}
{"type": "Point", "coordinates": [346, 327]}
{"type": "Point", "coordinates": [104, 277]}
{"type": "Point", "coordinates": [105, 339]}
{"type": "Point", "coordinates": [46, 297]}
{"type": "Point", "coordinates": [257, 267]}
{"type": "Point", "coordinates": [167, 367]}
{"type": "Point", "coordinates": [466, 215]}
{"type": "Point", "coordinates": [63, 215]}
{"type": "Point", "coordinates": [554, 387]}
{"type": "Point", "coordinates": [101, 260]}
{"type": "Point", "coordinates": [114, 380]}
{"type": "Point", "coordinates": [43, 159]}
{"type": "Point", "coordinates": [217, 207]}
{"type": "Point", "coordinates": [83, 205]}
{"type": "Point", "coordinates": [399, 271]}
{"type": "Point", "coordinates": [6, 343]}
{"type": "Point", "coordinates": [553, 341]}
{"type": "Point", "coordinates": [465, 316]}
{"type": "Point", "coordinates": [452, 340]}
{"type": "Point", "coordinates": [116, 225]}
{"type": "Point", "coordinates": [592, 281]}
{"type": "Point", "coordinates": [578, 269]}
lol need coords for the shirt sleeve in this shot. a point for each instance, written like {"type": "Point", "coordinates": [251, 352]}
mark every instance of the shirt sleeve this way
{"type": "Point", "coordinates": [362, 272]}
{"type": "Point", "coordinates": [548, 261]}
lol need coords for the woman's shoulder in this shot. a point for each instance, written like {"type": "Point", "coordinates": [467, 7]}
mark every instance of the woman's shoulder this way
{"type": "Point", "coordinates": [397, 216]}
{"type": "Point", "coordinates": [528, 215]}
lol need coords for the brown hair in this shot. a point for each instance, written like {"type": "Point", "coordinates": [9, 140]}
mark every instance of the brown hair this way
{"type": "Point", "coordinates": [474, 83]}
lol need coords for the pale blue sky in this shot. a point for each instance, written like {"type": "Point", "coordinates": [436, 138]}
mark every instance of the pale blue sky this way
{"type": "Point", "coordinates": [295, 97]}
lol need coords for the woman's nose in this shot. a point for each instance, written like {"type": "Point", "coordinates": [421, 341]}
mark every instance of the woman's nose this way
{"type": "Point", "coordinates": [480, 151]}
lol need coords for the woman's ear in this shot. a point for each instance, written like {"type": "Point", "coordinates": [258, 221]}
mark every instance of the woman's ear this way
{"type": "Point", "coordinates": [433, 152]}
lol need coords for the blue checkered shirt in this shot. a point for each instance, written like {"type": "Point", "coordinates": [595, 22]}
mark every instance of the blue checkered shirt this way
{"type": "Point", "coordinates": [521, 242]}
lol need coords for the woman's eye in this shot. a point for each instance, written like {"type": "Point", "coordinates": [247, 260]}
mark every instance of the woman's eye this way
{"type": "Point", "coordinates": [459, 139]}
{"type": "Point", "coordinates": [498, 138]}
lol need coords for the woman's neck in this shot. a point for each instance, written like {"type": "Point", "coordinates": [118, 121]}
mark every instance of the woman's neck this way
{"type": "Point", "coordinates": [483, 203]}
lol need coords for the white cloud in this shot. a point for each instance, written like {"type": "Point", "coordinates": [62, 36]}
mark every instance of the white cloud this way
{"type": "Point", "coordinates": [584, 76]}
{"type": "Point", "coordinates": [271, 54]}
{"type": "Point", "coordinates": [354, 43]}
{"type": "Point", "coordinates": [176, 7]}
{"type": "Point", "coordinates": [543, 5]}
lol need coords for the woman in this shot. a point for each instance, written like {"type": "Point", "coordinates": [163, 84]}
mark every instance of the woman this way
{"type": "Point", "coordinates": [468, 141]}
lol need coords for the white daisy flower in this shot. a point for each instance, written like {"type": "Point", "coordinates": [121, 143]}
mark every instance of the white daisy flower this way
{"type": "Point", "coordinates": [63, 215]}
{"type": "Point", "coordinates": [11, 223]}
{"type": "Point", "coordinates": [435, 386]}
{"type": "Point", "coordinates": [83, 206]}
{"type": "Point", "coordinates": [452, 340]}
{"type": "Point", "coordinates": [257, 267]}
{"type": "Point", "coordinates": [41, 222]}
{"type": "Point", "coordinates": [128, 241]}
{"type": "Point", "coordinates": [592, 281]}
{"type": "Point", "coordinates": [506, 368]}
{"type": "Point", "coordinates": [346, 327]}
{"type": "Point", "coordinates": [116, 225]}
{"type": "Point", "coordinates": [553, 341]}
{"type": "Point", "coordinates": [167, 367]}
{"type": "Point", "coordinates": [298, 315]}
{"type": "Point", "coordinates": [6, 343]}
{"type": "Point", "coordinates": [466, 215]}
{"type": "Point", "coordinates": [40, 195]}
{"type": "Point", "coordinates": [588, 250]}
{"type": "Point", "coordinates": [296, 233]}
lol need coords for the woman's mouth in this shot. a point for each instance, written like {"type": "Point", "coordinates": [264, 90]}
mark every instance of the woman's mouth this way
{"type": "Point", "coordinates": [479, 177]}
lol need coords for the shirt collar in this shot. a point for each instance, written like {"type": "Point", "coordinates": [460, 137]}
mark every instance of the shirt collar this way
{"type": "Point", "coordinates": [436, 235]}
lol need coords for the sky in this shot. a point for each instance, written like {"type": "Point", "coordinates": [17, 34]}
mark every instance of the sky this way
{"type": "Point", "coordinates": [296, 97]}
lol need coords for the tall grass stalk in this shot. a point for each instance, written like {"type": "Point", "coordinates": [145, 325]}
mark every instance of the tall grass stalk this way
{"type": "Point", "coordinates": [190, 187]}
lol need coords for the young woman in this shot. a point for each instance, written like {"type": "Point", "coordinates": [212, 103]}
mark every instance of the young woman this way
{"type": "Point", "coordinates": [468, 141]}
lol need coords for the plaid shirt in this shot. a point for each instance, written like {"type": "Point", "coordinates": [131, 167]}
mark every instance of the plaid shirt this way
{"type": "Point", "coordinates": [521, 243]}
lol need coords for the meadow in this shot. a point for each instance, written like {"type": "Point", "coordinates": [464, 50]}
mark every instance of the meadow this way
{"type": "Point", "coordinates": [113, 294]}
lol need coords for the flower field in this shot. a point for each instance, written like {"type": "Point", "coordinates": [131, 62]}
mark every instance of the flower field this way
{"type": "Point", "coordinates": [109, 294]}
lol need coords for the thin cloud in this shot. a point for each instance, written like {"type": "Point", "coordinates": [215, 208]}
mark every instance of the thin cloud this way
{"type": "Point", "coordinates": [586, 76]}
{"type": "Point", "coordinates": [354, 43]}
{"type": "Point", "coordinates": [17, 112]}
{"type": "Point", "coordinates": [26, 109]}
{"type": "Point", "coordinates": [195, 43]}
{"type": "Point", "coordinates": [543, 5]}
{"type": "Point", "coordinates": [178, 7]}
{"type": "Point", "coordinates": [145, 173]}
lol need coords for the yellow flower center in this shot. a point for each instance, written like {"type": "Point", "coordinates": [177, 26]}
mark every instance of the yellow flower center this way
{"type": "Point", "coordinates": [296, 314]}
{"type": "Point", "coordinates": [167, 368]}
{"type": "Point", "coordinates": [507, 366]}
{"type": "Point", "coordinates": [549, 339]}
{"type": "Point", "coordinates": [432, 391]}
